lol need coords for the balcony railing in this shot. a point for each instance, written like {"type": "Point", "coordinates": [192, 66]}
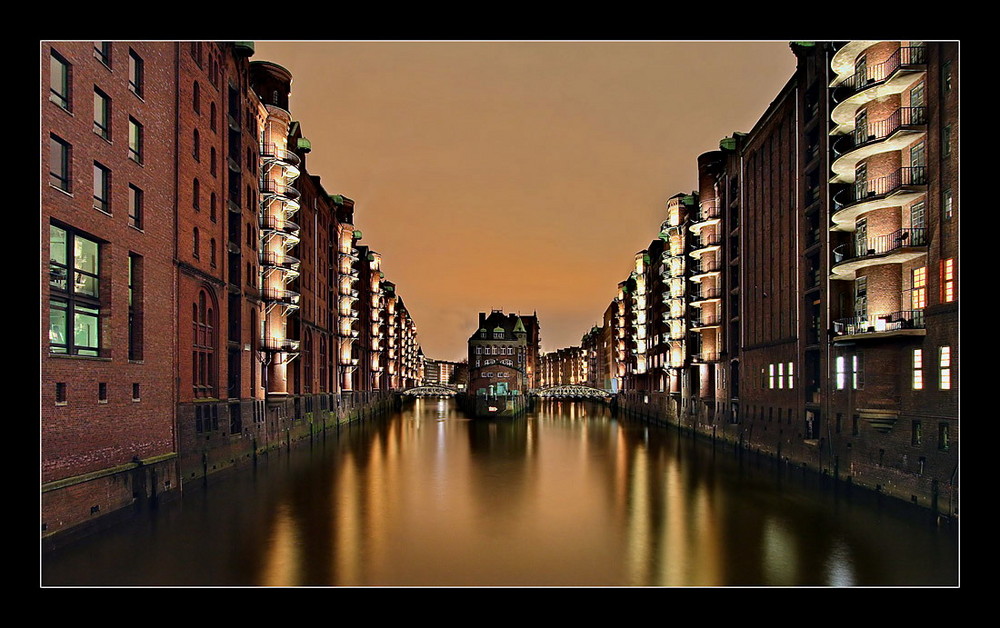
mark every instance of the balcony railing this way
{"type": "Point", "coordinates": [880, 245]}
{"type": "Point", "coordinates": [877, 74]}
{"type": "Point", "coordinates": [706, 356]}
{"type": "Point", "coordinates": [271, 152]}
{"type": "Point", "coordinates": [281, 295]}
{"type": "Point", "coordinates": [706, 293]}
{"type": "Point", "coordinates": [706, 321]}
{"type": "Point", "coordinates": [705, 266]}
{"type": "Point", "coordinates": [881, 187]}
{"type": "Point", "coordinates": [880, 130]}
{"type": "Point", "coordinates": [279, 344]}
{"type": "Point", "coordinates": [268, 186]}
{"type": "Point", "coordinates": [281, 261]}
{"type": "Point", "coordinates": [904, 319]}
{"type": "Point", "coordinates": [706, 212]}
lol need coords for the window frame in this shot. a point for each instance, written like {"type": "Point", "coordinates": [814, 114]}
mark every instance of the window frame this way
{"type": "Point", "coordinates": [136, 73]}
{"type": "Point", "coordinates": [102, 188]}
{"type": "Point", "coordinates": [72, 302]}
{"type": "Point", "coordinates": [135, 140]}
{"type": "Point", "coordinates": [102, 52]}
{"type": "Point", "coordinates": [102, 114]}
{"type": "Point", "coordinates": [63, 97]}
{"type": "Point", "coordinates": [135, 206]}
{"type": "Point", "coordinates": [62, 180]}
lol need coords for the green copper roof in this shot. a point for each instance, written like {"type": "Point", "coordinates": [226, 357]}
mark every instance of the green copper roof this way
{"type": "Point", "coordinates": [357, 234]}
{"type": "Point", "coordinates": [304, 144]}
{"type": "Point", "coordinates": [804, 44]}
{"type": "Point", "coordinates": [688, 199]}
{"type": "Point", "coordinates": [245, 47]}
{"type": "Point", "coordinates": [498, 328]}
{"type": "Point", "coordinates": [727, 143]}
{"type": "Point", "coordinates": [519, 326]}
{"type": "Point", "coordinates": [337, 198]}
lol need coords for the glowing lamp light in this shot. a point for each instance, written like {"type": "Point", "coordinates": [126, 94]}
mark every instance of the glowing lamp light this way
{"type": "Point", "coordinates": [880, 324]}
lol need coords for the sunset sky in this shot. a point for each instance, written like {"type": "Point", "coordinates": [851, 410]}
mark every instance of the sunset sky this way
{"type": "Point", "coordinates": [521, 176]}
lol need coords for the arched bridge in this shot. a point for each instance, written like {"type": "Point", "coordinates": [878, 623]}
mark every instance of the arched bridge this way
{"type": "Point", "coordinates": [572, 391]}
{"type": "Point", "coordinates": [436, 390]}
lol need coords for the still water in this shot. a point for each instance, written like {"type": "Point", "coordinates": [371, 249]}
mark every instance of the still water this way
{"type": "Point", "coordinates": [566, 496]}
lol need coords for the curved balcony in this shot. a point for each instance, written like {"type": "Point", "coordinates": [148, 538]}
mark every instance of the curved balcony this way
{"type": "Point", "coordinates": [676, 267]}
{"type": "Point", "coordinates": [706, 357]}
{"type": "Point", "coordinates": [706, 322]}
{"type": "Point", "coordinates": [281, 191]}
{"type": "Point", "coordinates": [892, 76]}
{"type": "Point", "coordinates": [705, 244]}
{"type": "Point", "coordinates": [279, 344]}
{"type": "Point", "coordinates": [897, 247]}
{"type": "Point", "coordinates": [289, 161]}
{"type": "Point", "coordinates": [710, 213]}
{"type": "Point", "coordinates": [898, 188]}
{"type": "Point", "coordinates": [283, 296]}
{"type": "Point", "coordinates": [706, 295]}
{"type": "Point", "coordinates": [842, 61]}
{"type": "Point", "coordinates": [287, 265]}
{"type": "Point", "coordinates": [901, 323]}
{"type": "Point", "coordinates": [892, 134]}
{"type": "Point", "coordinates": [704, 268]}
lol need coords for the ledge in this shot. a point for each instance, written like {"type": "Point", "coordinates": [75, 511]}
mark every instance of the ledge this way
{"type": "Point", "coordinates": [94, 475]}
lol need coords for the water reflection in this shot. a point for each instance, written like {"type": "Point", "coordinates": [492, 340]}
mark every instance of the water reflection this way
{"type": "Point", "coordinates": [564, 496]}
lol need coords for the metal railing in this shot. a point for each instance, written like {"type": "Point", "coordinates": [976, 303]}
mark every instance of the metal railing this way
{"type": "Point", "coordinates": [279, 344]}
{"type": "Point", "coordinates": [283, 261]}
{"type": "Point", "coordinates": [268, 186]}
{"type": "Point", "coordinates": [876, 74]}
{"type": "Point", "coordinates": [271, 151]}
{"type": "Point", "coordinates": [880, 245]}
{"type": "Point", "coordinates": [705, 266]}
{"type": "Point", "coordinates": [882, 186]}
{"type": "Point", "coordinates": [877, 131]}
{"type": "Point", "coordinates": [706, 293]}
{"type": "Point", "coordinates": [877, 323]}
{"type": "Point", "coordinates": [282, 295]}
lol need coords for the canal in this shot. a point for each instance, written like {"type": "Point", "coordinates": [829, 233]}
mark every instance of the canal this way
{"type": "Point", "coordinates": [566, 496]}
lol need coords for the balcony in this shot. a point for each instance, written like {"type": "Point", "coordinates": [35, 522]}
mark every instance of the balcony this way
{"type": "Point", "coordinates": [902, 323]}
{"type": "Point", "coordinates": [895, 189]}
{"type": "Point", "coordinates": [892, 76]}
{"type": "Point", "coordinates": [706, 322]}
{"type": "Point", "coordinates": [709, 212]}
{"type": "Point", "coordinates": [705, 295]}
{"type": "Point", "coordinates": [704, 268]}
{"type": "Point", "coordinates": [895, 248]}
{"type": "Point", "coordinates": [705, 244]}
{"type": "Point", "coordinates": [891, 134]}
{"type": "Point", "coordinates": [706, 357]}
{"type": "Point", "coordinates": [279, 344]}
{"type": "Point", "coordinates": [273, 296]}
{"type": "Point", "coordinates": [269, 187]}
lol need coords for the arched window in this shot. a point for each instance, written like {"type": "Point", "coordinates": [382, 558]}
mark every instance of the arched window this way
{"type": "Point", "coordinates": [196, 194]}
{"type": "Point", "coordinates": [196, 96]}
{"type": "Point", "coordinates": [195, 242]}
{"type": "Point", "coordinates": [211, 116]}
{"type": "Point", "coordinates": [212, 163]}
{"type": "Point", "coordinates": [196, 150]}
{"type": "Point", "coordinates": [211, 207]}
{"type": "Point", "coordinates": [203, 346]}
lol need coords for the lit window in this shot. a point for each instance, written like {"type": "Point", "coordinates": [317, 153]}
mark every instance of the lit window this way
{"type": "Point", "coordinates": [918, 369]}
{"type": "Point", "coordinates": [135, 73]}
{"type": "Point", "coordinates": [59, 164]}
{"type": "Point", "coordinates": [770, 376]}
{"type": "Point", "coordinates": [59, 81]}
{"type": "Point", "coordinates": [75, 305]}
{"type": "Point", "coordinates": [948, 280]}
{"type": "Point", "coordinates": [841, 366]}
{"type": "Point", "coordinates": [102, 188]}
{"type": "Point", "coordinates": [944, 360]}
{"type": "Point", "coordinates": [918, 295]}
{"type": "Point", "coordinates": [781, 375]}
{"type": "Point", "coordinates": [946, 204]}
{"type": "Point", "coordinates": [790, 373]}
{"type": "Point", "coordinates": [134, 140]}
{"type": "Point", "coordinates": [857, 372]}
{"type": "Point", "coordinates": [102, 114]}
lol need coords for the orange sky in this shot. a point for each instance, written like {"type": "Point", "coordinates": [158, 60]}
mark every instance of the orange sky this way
{"type": "Point", "coordinates": [517, 175]}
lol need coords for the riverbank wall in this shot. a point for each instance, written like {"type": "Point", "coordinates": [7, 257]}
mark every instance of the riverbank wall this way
{"type": "Point", "coordinates": [211, 436]}
{"type": "Point", "coordinates": [843, 453]}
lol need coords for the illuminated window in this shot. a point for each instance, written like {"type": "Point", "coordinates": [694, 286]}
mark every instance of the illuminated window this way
{"type": "Point", "coordinates": [944, 361]}
{"type": "Point", "coordinates": [59, 81]}
{"type": "Point", "coordinates": [781, 375]}
{"type": "Point", "coordinates": [918, 294]}
{"type": "Point", "coordinates": [841, 368]}
{"type": "Point", "coordinates": [790, 373]}
{"type": "Point", "coordinates": [948, 280]}
{"type": "Point", "coordinates": [75, 305]}
{"type": "Point", "coordinates": [918, 369]}
{"type": "Point", "coordinates": [946, 204]}
{"type": "Point", "coordinates": [770, 376]}
{"type": "Point", "coordinates": [857, 372]}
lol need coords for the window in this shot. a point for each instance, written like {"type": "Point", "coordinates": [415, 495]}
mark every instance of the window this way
{"type": "Point", "coordinates": [946, 76]}
{"type": "Point", "coordinates": [211, 207]}
{"type": "Point", "coordinates": [212, 162]}
{"type": "Point", "coordinates": [211, 116]}
{"type": "Point", "coordinates": [203, 351]}
{"type": "Point", "coordinates": [60, 393]}
{"type": "Point", "coordinates": [135, 73]}
{"type": "Point", "coordinates": [944, 436]}
{"type": "Point", "coordinates": [74, 305]}
{"type": "Point", "coordinates": [946, 141]}
{"type": "Point", "coordinates": [196, 242]}
{"type": "Point", "coordinates": [59, 81]}
{"type": "Point", "coordinates": [135, 392]}
{"type": "Point", "coordinates": [918, 160]}
{"type": "Point", "coordinates": [102, 188]}
{"type": "Point", "coordinates": [196, 52]}
{"type": "Point", "coordinates": [196, 145]}
{"type": "Point", "coordinates": [102, 52]}
{"type": "Point", "coordinates": [918, 293]}
{"type": "Point", "coordinates": [196, 194]}
{"type": "Point", "coordinates": [211, 250]}
{"type": "Point", "coordinates": [946, 204]}
{"type": "Point", "coordinates": [857, 372]}
{"type": "Point", "coordinates": [102, 392]}
{"type": "Point", "coordinates": [861, 297]}
{"type": "Point", "coordinates": [781, 375]}
{"type": "Point", "coordinates": [59, 164]}
{"type": "Point", "coordinates": [917, 95]}
{"type": "Point", "coordinates": [916, 433]}
{"type": "Point", "coordinates": [196, 97]}
{"type": "Point", "coordinates": [948, 280]}
{"type": "Point", "coordinates": [790, 374]}
{"type": "Point", "coordinates": [841, 368]}
{"type": "Point", "coordinates": [944, 362]}
{"type": "Point", "coordinates": [134, 140]}
{"type": "Point", "coordinates": [134, 206]}
{"type": "Point", "coordinates": [917, 221]}
{"type": "Point", "coordinates": [102, 114]}
{"type": "Point", "coordinates": [918, 369]}
{"type": "Point", "coordinates": [134, 307]}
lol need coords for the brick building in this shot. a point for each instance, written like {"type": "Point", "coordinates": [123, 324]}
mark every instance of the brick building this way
{"type": "Point", "coordinates": [203, 304]}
